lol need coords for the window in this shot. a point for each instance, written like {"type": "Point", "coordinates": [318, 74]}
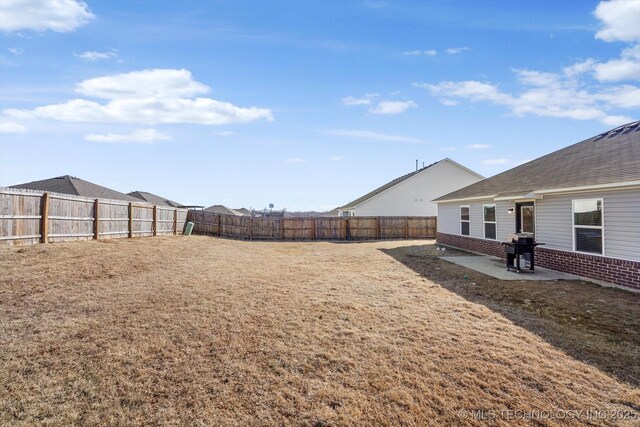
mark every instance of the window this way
{"type": "Point", "coordinates": [587, 226]}
{"type": "Point", "coordinates": [464, 220]}
{"type": "Point", "coordinates": [489, 221]}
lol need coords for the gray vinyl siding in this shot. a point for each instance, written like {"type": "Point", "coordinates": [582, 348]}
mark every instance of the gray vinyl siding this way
{"type": "Point", "coordinates": [506, 221]}
{"type": "Point", "coordinates": [476, 227]}
{"type": "Point", "coordinates": [449, 218]}
{"type": "Point", "coordinates": [554, 224]}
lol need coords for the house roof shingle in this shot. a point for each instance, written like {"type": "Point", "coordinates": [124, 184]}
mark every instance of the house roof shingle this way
{"type": "Point", "coordinates": [154, 199]}
{"type": "Point", "coordinates": [610, 157]}
{"type": "Point", "coordinates": [67, 184]}
{"type": "Point", "coordinates": [221, 209]}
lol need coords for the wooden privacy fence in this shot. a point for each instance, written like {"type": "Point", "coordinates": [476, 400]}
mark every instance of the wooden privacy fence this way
{"type": "Point", "coordinates": [313, 228]}
{"type": "Point", "coordinates": [28, 217]}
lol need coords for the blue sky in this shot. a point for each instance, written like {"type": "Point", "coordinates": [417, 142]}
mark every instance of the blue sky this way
{"type": "Point", "coordinates": [303, 104]}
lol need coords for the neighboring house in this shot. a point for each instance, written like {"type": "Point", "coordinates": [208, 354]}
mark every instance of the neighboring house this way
{"type": "Point", "coordinates": [154, 199]}
{"type": "Point", "coordinates": [412, 194]}
{"type": "Point", "coordinates": [220, 209]}
{"type": "Point", "coordinates": [71, 185]}
{"type": "Point", "coordinates": [582, 202]}
{"type": "Point", "coordinates": [243, 211]}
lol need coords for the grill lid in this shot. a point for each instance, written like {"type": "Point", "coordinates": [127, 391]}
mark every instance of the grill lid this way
{"type": "Point", "coordinates": [522, 238]}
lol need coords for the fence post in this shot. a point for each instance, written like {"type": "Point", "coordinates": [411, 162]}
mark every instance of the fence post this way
{"type": "Point", "coordinates": [315, 228]}
{"type": "Point", "coordinates": [44, 219]}
{"type": "Point", "coordinates": [175, 221]}
{"type": "Point", "coordinates": [96, 219]}
{"type": "Point", "coordinates": [406, 228]}
{"type": "Point", "coordinates": [377, 228]}
{"type": "Point", "coordinates": [346, 229]}
{"type": "Point", "coordinates": [283, 228]}
{"type": "Point", "coordinates": [219, 224]}
{"type": "Point", "coordinates": [130, 219]}
{"type": "Point", "coordinates": [250, 228]}
{"type": "Point", "coordinates": [155, 220]}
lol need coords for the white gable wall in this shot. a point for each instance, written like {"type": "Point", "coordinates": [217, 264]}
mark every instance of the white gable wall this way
{"type": "Point", "coordinates": [413, 196]}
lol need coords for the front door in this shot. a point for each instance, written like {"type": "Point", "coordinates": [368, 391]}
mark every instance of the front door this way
{"type": "Point", "coordinates": [525, 218]}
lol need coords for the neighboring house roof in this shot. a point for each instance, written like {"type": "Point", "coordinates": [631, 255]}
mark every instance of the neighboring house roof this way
{"type": "Point", "coordinates": [243, 211]}
{"type": "Point", "coordinates": [220, 209]}
{"type": "Point", "coordinates": [608, 158]}
{"type": "Point", "coordinates": [397, 181]}
{"type": "Point", "coordinates": [154, 199]}
{"type": "Point", "coordinates": [71, 185]}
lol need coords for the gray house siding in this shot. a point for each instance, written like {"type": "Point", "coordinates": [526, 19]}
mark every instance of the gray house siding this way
{"type": "Point", "coordinates": [506, 221]}
{"type": "Point", "coordinates": [554, 224]}
{"type": "Point", "coordinates": [449, 218]}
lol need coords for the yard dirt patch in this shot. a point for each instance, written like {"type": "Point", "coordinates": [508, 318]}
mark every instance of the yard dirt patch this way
{"type": "Point", "coordinates": [205, 331]}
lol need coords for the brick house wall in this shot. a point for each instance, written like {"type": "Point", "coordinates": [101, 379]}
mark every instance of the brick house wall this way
{"type": "Point", "coordinates": [612, 270]}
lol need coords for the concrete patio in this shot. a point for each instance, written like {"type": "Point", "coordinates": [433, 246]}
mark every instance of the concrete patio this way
{"type": "Point", "coordinates": [495, 267]}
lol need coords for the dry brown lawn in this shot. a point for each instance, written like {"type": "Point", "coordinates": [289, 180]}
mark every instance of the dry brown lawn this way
{"type": "Point", "coordinates": [204, 331]}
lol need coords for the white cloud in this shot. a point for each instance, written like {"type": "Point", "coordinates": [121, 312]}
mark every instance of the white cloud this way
{"type": "Point", "coordinates": [365, 134]}
{"type": "Point", "coordinates": [456, 50]}
{"type": "Point", "coordinates": [157, 83]}
{"type": "Point", "coordinates": [383, 107]}
{"type": "Point", "coordinates": [9, 127]}
{"type": "Point", "coordinates": [579, 68]}
{"type": "Point", "coordinates": [93, 56]}
{"type": "Point", "coordinates": [336, 158]}
{"type": "Point", "coordinates": [367, 99]}
{"type": "Point", "coordinates": [392, 107]}
{"type": "Point", "coordinates": [41, 15]}
{"type": "Point", "coordinates": [627, 67]}
{"type": "Point", "coordinates": [542, 94]}
{"type": "Point", "coordinates": [350, 100]}
{"type": "Point", "coordinates": [16, 50]}
{"type": "Point", "coordinates": [621, 20]}
{"type": "Point", "coordinates": [295, 160]}
{"type": "Point", "coordinates": [614, 121]}
{"type": "Point", "coordinates": [478, 146]}
{"type": "Point", "coordinates": [449, 102]}
{"type": "Point", "coordinates": [428, 52]}
{"type": "Point", "coordinates": [624, 96]}
{"type": "Point", "coordinates": [225, 133]}
{"type": "Point", "coordinates": [146, 97]}
{"type": "Point", "coordinates": [146, 136]}
{"type": "Point", "coordinates": [473, 90]}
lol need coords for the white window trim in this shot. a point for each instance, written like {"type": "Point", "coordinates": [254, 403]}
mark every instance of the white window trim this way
{"type": "Point", "coordinates": [484, 229]}
{"type": "Point", "coordinates": [460, 220]}
{"type": "Point", "coordinates": [595, 227]}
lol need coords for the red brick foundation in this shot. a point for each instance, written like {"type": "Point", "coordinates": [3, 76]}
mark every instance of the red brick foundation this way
{"type": "Point", "coordinates": [611, 270]}
{"type": "Point", "coordinates": [489, 247]}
